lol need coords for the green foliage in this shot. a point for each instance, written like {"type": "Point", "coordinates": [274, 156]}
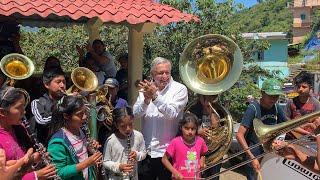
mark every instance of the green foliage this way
{"type": "Point", "coordinates": [235, 99]}
{"type": "Point", "coordinates": [38, 45]}
{"type": "Point", "coordinates": [268, 16]}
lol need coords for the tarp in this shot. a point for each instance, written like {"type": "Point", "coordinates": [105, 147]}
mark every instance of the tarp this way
{"type": "Point", "coordinates": [313, 45]}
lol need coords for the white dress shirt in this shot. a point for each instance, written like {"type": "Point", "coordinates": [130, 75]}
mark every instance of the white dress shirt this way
{"type": "Point", "coordinates": [160, 117]}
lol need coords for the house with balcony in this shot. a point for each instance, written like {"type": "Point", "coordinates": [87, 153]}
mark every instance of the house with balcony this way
{"type": "Point", "coordinates": [302, 20]}
{"type": "Point", "coordinates": [275, 58]}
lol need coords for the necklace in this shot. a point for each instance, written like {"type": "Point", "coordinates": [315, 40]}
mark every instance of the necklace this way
{"type": "Point", "coordinates": [189, 144]}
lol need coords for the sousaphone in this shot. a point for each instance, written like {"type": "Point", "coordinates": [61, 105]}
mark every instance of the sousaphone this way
{"type": "Point", "coordinates": [17, 66]}
{"type": "Point", "coordinates": [83, 80]}
{"type": "Point", "coordinates": [210, 65]}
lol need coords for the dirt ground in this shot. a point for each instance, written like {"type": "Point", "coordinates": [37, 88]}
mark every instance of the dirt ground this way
{"type": "Point", "coordinates": [232, 175]}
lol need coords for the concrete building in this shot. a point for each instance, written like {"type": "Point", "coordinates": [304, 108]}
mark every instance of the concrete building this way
{"type": "Point", "coordinates": [276, 56]}
{"type": "Point", "coordinates": [302, 21]}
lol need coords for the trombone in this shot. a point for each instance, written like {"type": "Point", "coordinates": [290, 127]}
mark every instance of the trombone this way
{"type": "Point", "coordinates": [266, 134]}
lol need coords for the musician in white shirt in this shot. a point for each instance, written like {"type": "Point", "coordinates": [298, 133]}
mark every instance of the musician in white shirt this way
{"type": "Point", "coordinates": [160, 104]}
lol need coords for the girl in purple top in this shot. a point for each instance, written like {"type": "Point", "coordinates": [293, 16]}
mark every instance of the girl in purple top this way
{"type": "Point", "coordinates": [187, 150]}
{"type": "Point", "coordinates": [14, 139]}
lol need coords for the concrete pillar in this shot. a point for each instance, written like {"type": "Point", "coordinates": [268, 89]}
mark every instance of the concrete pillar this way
{"type": "Point", "coordinates": [92, 28]}
{"type": "Point", "coordinates": [135, 64]}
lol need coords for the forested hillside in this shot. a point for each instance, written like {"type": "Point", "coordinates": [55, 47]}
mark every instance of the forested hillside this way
{"type": "Point", "coordinates": [269, 16]}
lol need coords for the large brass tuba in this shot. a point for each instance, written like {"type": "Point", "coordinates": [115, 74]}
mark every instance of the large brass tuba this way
{"type": "Point", "coordinates": [210, 65]}
{"type": "Point", "coordinates": [16, 66]}
{"type": "Point", "coordinates": [83, 79]}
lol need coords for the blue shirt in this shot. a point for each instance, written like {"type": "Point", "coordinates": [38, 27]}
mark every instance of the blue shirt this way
{"type": "Point", "coordinates": [120, 103]}
{"type": "Point", "coordinates": [272, 116]}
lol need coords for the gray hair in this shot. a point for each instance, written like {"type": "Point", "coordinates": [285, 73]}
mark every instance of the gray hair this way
{"type": "Point", "coordinates": [160, 60]}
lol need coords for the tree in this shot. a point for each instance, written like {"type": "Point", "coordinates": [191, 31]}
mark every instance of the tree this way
{"type": "Point", "coordinates": [166, 41]}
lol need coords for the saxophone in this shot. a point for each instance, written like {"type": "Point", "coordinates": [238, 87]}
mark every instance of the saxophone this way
{"type": "Point", "coordinates": [128, 176]}
{"type": "Point", "coordinates": [38, 146]}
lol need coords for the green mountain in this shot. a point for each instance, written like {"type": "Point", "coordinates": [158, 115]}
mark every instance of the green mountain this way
{"type": "Point", "coordinates": [268, 16]}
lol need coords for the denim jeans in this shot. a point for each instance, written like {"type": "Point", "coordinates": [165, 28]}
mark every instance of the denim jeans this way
{"type": "Point", "coordinates": [251, 173]}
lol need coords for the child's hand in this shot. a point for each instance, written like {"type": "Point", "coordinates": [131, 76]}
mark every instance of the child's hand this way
{"type": "Point", "coordinates": [177, 175]}
{"type": "Point", "coordinates": [10, 169]}
{"type": "Point", "coordinates": [126, 168]}
{"type": "Point", "coordinates": [94, 159]}
{"type": "Point", "coordinates": [46, 172]}
{"type": "Point", "coordinates": [96, 144]}
{"type": "Point", "coordinates": [133, 156]}
{"type": "Point", "coordinates": [203, 165]}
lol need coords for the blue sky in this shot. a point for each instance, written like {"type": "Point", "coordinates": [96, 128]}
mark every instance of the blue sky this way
{"type": "Point", "coordinates": [247, 3]}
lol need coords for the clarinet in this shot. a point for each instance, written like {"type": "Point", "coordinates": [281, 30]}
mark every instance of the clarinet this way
{"type": "Point", "coordinates": [128, 176]}
{"type": "Point", "coordinates": [38, 146]}
{"type": "Point", "coordinates": [90, 147]}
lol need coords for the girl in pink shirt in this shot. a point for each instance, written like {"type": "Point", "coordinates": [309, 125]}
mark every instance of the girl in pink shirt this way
{"type": "Point", "coordinates": [14, 139]}
{"type": "Point", "coordinates": [187, 150]}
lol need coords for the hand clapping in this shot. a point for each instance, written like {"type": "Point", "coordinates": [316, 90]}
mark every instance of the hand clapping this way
{"type": "Point", "coordinates": [149, 90]}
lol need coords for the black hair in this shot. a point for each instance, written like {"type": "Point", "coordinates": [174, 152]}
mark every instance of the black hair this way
{"type": "Point", "coordinates": [50, 74]}
{"type": "Point", "coordinates": [9, 96]}
{"type": "Point", "coordinates": [118, 114]}
{"type": "Point", "coordinates": [98, 41]}
{"type": "Point", "coordinates": [123, 56]}
{"type": "Point", "coordinates": [88, 56]}
{"type": "Point", "coordinates": [46, 64]}
{"type": "Point", "coordinates": [66, 105]}
{"type": "Point", "coordinates": [188, 117]}
{"type": "Point", "coordinates": [304, 77]}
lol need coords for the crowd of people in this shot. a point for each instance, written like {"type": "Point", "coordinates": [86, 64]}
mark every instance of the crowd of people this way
{"type": "Point", "coordinates": [172, 141]}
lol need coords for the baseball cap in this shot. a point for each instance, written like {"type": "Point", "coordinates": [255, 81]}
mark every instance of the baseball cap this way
{"type": "Point", "coordinates": [111, 82]}
{"type": "Point", "coordinates": [272, 87]}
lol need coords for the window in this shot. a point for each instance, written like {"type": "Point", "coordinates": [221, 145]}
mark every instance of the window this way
{"type": "Point", "coordinates": [303, 17]}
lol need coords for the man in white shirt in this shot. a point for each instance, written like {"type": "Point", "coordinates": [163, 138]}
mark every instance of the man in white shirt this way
{"type": "Point", "coordinates": [160, 105]}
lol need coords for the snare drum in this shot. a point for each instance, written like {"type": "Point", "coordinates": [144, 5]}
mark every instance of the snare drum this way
{"type": "Point", "coordinates": [275, 167]}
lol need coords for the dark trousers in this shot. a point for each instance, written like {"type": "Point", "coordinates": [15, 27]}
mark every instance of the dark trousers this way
{"type": "Point", "coordinates": [213, 170]}
{"type": "Point", "coordinates": [251, 174]}
{"type": "Point", "coordinates": [152, 168]}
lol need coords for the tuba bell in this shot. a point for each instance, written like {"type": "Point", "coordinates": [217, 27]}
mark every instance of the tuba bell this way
{"type": "Point", "coordinates": [83, 79]}
{"type": "Point", "coordinates": [17, 66]}
{"type": "Point", "coordinates": [210, 65]}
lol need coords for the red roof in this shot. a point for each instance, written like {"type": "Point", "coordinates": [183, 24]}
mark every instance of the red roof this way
{"type": "Point", "coordinates": [131, 11]}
